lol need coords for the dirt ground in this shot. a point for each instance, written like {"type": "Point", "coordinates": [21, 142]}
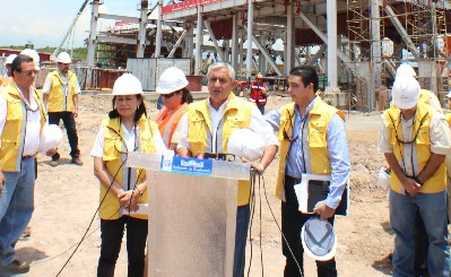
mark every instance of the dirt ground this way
{"type": "Point", "coordinates": [67, 196]}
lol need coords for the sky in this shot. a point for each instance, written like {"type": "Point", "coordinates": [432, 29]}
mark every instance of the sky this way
{"type": "Point", "coordinates": [45, 22]}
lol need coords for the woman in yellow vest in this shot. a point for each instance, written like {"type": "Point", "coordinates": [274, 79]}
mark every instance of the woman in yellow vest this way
{"type": "Point", "coordinates": [172, 86]}
{"type": "Point", "coordinates": [123, 189]}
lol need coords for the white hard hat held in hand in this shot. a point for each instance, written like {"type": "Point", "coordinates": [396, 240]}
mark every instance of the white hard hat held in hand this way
{"type": "Point", "coordinates": [405, 92]}
{"type": "Point", "coordinates": [127, 84]}
{"type": "Point", "coordinates": [63, 57]}
{"type": "Point", "coordinates": [244, 143]}
{"type": "Point", "coordinates": [34, 55]}
{"type": "Point", "coordinates": [171, 80]}
{"type": "Point", "coordinates": [318, 239]}
{"type": "Point", "coordinates": [51, 137]}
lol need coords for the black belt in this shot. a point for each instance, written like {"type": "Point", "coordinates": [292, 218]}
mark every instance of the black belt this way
{"type": "Point", "coordinates": [293, 179]}
{"type": "Point", "coordinates": [28, 157]}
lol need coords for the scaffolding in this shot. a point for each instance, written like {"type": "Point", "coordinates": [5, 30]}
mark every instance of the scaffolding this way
{"type": "Point", "coordinates": [420, 26]}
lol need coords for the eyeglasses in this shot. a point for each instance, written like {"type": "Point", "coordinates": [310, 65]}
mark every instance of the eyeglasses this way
{"type": "Point", "coordinates": [28, 72]}
{"type": "Point", "coordinates": [170, 94]}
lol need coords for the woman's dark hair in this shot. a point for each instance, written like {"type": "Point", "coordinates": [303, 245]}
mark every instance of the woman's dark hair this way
{"type": "Point", "coordinates": [16, 65]}
{"type": "Point", "coordinates": [308, 74]}
{"type": "Point", "coordinates": [139, 112]}
{"type": "Point", "coordinates": [186, 96]}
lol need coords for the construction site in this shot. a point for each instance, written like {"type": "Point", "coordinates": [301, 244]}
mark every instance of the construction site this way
{"type": "Point", "coordinates": [355, 46]}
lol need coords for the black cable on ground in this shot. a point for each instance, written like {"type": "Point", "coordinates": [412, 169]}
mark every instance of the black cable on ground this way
{"type": "Point", "coordinates": [91, 221]}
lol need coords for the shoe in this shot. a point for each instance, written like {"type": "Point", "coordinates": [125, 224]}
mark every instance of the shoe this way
{"type": "Point", "coordinates": [17, 266]}
{"type": "Point", "coordinates": [54, 163]}
{"type": "Point", "coordinates": [77, 161]}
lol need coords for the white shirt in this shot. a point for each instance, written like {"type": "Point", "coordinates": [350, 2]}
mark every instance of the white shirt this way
{"type": "Point", "coordinates": [48, 85]}
{"type": "Point", "coordinates": [440, 141]}
{"type": "Point", "coordinates": [257, 124]}
{"type": "Point", "coordinates": [129, 137]}
{"type": "Point", "coordinates": [33, 125]}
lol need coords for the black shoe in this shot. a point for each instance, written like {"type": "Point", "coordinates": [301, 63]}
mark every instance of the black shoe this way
{"type": "Point", "coordinates": [17, 266]}
{"type": "Point", "coordinates": [77, 161]}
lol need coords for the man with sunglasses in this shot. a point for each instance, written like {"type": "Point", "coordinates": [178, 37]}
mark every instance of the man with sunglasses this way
{"type": "Point", "coordinates": [312, 140]}
{"type": "Point", "coordinates": [205, 130]}
{"type": "Point", "coordinates": [22, 117]}
{"type": "Point", "coordinates": [415, 139]}
{"type": "Point", "coordinates": [60, 92]}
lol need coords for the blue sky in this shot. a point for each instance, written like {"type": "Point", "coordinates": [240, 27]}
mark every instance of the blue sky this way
{"type": "Point", "coordinates": [45, 22]}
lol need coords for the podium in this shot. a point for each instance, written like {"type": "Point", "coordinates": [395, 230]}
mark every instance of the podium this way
{"type": "Point", "coordinates": [192, 214]}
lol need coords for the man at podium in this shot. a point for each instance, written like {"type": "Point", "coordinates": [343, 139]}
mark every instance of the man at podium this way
{"type": "Point", "coordinates": [207, 127]}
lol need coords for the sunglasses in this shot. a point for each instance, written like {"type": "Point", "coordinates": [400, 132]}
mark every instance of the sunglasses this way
{"type": "Point", "coordinates": [170, 94]}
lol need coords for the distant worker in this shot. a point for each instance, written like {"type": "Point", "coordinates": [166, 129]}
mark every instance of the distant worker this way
{"type": "Point", "coordinates": [258, 93]}
{"type": "Point", "coordinates": [60, 93]}
{"type": "Point", "coordinates": [172, 86]}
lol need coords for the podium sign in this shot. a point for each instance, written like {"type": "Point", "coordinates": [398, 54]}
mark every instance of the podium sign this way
{"type": "Point", "coordinates": [192, 215]}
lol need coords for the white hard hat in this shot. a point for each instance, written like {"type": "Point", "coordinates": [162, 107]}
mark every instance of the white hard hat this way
{"type": "Point", "coordinates": [63, 57]}
{"type": "Point", "coordinates": [405, 92]}
{"type": "Point", "coordinates": [127, 84]}
{"type": "Point", "coordinates": [318, 239]}
{"type": "Point", "coordinates": [34, 55]}
{"type": "Point", "coordinates": [51, 137]}
{"type": "Point", "coordinates": [171, 80]}
{"type": "Point", "coordinates": [405, 70]}
{"type": "Point", "coordinates": [10, 59]}
{"type": "Point", "coordinates": [245, 143]}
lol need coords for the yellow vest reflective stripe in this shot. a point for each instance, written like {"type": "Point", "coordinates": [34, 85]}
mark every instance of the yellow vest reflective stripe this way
{"type": "Point", "coordinates": [57, 102]}
{"type": "Point", "coordinates": [319, 118]}
{"type": "Point", "coordinates": [423, 116]}
{"type": "Point", "coordinates": [237, 115]}
{"type": "Point", "coordinates": [13, 136]}
{"type": "Point", "coordinates": [113, 157]}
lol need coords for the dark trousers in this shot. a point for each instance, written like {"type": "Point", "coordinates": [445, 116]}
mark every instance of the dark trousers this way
{"type": "Point", "coordinates": [69, 124]}
{"type": "Point", "coordinates": [421, 248]}
{"type": "Point", "coordinates": [292, 222]}
{"type": "Point", "coordinates": [112, 232]}
{"type": "Point", "coordinates": [242, 224]}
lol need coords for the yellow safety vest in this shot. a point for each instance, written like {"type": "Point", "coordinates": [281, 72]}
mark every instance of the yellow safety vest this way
{"type": "Point", "coordinates": [237, 115]}
{"type": "Point", "coordinates": [429, 98]}
{"type": "Point", "coordinates": [113, 149]}
{"type": "Point", "coordinates": [423, 116]}
{"type": "Point", "coordinates": [5, 81]}
{"type": "Point", "coordinates": [319, 118]}
{"type": "Point", "coordinates": [57, 101]}
{"type": "Point", "coordinates": [13, 136]}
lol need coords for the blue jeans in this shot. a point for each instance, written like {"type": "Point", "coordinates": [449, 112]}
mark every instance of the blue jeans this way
{"type": "Point", "coordinates": [242, 223]}
{"type": "Point", "coordinates": [16, 207]}
{"type": "Point", "coordinates": [432, 209]}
